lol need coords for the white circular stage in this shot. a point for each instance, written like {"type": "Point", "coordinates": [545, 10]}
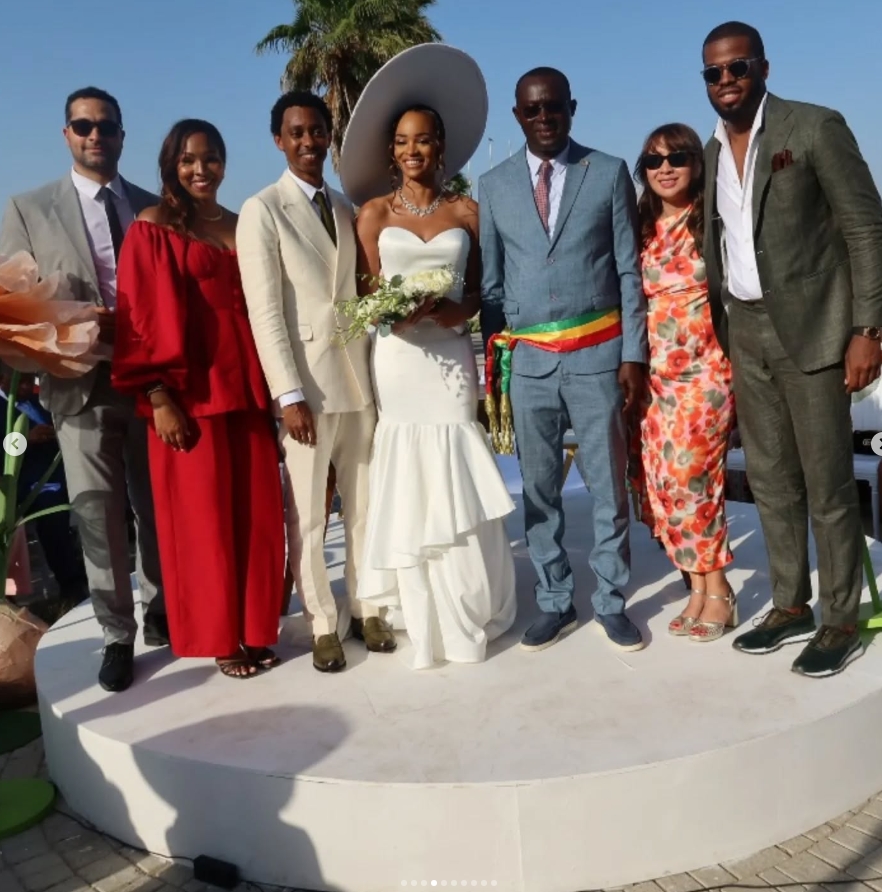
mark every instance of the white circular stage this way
{"type": "Point", "coordinates": [578, 767]}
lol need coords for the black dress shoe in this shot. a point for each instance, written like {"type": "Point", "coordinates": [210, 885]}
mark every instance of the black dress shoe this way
{"type": "Point", "coordinates": [548, 629]}
{"type": "Point", "coordinates": [156, 630]}
{"type": "Point", "coordinates": [828, 653]}
{"type": "Point", "coordinates": [118, 668]}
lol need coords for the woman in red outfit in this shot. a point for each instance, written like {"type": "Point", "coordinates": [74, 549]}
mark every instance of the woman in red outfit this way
{"type": "Point", "coordinates": [184, 349]}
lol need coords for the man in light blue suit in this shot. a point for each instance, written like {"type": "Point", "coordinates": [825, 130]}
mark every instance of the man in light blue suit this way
{"type": "Point", "coordinates": [561, 259]}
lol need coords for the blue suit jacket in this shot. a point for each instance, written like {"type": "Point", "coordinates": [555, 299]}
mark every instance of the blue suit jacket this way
{"type": "Point", "coordinates": [592, 261]}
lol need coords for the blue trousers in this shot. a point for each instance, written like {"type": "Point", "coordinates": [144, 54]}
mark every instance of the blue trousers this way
{"type": "Point", "coordinates": [544, 409]}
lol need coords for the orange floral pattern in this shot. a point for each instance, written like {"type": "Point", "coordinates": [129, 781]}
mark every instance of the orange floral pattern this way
{"type": "Point", "coordinates": [677, 468]}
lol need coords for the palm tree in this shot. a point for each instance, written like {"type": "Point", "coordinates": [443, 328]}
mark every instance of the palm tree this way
{"type": "Point", "coordinates": [459, 184]}
{"type": "Point", "coordinates": [336, 46]}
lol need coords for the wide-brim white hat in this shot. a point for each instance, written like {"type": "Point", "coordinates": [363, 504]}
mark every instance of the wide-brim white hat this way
{"type": "Point", "coordinates": [442, 77]}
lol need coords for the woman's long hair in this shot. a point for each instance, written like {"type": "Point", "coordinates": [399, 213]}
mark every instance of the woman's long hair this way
{"type": "Point", "coordinates": [177, 208]}
{"type": "Point", "coordinates": [677, 138]}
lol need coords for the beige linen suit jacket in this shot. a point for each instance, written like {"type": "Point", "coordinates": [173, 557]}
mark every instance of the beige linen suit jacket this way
{"type": "Point", "coordinates": [294, 278]}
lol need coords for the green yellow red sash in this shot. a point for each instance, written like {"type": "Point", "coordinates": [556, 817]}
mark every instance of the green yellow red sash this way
{"type": "Point", "coordinates": [564, 336]}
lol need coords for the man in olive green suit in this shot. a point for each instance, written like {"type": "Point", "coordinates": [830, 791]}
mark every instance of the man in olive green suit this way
{"type": "Point", "coordinates": [793, 244]}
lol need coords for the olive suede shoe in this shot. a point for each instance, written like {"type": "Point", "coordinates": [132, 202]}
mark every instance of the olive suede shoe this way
{"type": "Point", "coordinates": [327, 653]}
{"type": "Point", "coordinates": [376, 634]}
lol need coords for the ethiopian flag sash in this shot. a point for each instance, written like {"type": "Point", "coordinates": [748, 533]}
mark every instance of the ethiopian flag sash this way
{"type": "Point", "coordinates": [564, 336]}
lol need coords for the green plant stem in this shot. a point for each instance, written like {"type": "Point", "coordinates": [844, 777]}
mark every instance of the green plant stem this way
{"type": "Point", "coordinates": [10, 414]}
{"type": "Point", "coordinates": [38, 487]}
{"type": "Point", "coordinates": [15, 514]}
{"type": "Point", "coordinates": [55, 509]}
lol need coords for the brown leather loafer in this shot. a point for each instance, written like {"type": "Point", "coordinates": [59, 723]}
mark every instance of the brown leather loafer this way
{"type": "Point", "coordinates": [327, 653]}
{"type": "Point", "coordinates": [376, 634]}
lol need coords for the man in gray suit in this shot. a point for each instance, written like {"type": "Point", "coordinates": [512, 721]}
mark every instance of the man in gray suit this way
{"type": "Point", "coordinates": [793, 246]}
{"type": "Point", "coordinates": [75, 226]}
{"type": "Point", "coordinates": [560, 254]}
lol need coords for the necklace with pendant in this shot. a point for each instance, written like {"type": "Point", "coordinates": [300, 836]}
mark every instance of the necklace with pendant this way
{"type": "Point", "coordinates": [420, 212]}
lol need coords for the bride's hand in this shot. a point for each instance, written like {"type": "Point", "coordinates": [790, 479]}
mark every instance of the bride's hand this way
{"type": "Point", "coordinates": [448, 314]}
{"type": "Point", "coordinates": [420, 313]}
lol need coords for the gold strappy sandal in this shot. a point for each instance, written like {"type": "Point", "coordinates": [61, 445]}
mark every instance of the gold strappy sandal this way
{"type": "Point", "coordinates": [712, 631]}
{"type": "Point", "coordinates": [682, 625]}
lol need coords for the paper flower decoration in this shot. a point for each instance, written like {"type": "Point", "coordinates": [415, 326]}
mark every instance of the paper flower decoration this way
{"type": "Point", "coordinates": [41, 328]}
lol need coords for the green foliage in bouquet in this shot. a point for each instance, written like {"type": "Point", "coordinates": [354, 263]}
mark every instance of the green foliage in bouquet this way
{"type": "Point", "coordinates": [393, 300]}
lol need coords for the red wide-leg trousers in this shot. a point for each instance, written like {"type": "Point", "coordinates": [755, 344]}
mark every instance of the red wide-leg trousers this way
{"type": "Point", "coordinates": [220, 525]}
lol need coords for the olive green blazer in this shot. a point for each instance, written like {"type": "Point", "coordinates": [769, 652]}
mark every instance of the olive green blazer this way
{"type": "Point", "coordinates": [817, 234]}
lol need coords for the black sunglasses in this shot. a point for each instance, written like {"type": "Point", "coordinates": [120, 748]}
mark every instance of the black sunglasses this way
{"type": "Point", "coordinates": [83, 127]}
{"type": "Point", "coordinates": [739, 69]}
{"type": "Point", "coordinates": [535, 109]}
{"type": "Point", "coordinates": [675, 159]}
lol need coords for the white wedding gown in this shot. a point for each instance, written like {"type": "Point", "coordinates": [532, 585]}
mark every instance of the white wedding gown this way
{"type": "Point", "coordinates": [436, 548]}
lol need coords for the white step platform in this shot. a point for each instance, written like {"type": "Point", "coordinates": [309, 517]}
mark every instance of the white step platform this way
{"type": "Point", "coordinates": [575, 768]}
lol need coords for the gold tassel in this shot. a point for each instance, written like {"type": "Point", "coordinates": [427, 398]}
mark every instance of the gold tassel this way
{"type": "Point", "coordinates": [492, 418]}
{"type": "Point", "coordinates": [500, 423]}
{"type": "Point", "coordinates": [506, 427]}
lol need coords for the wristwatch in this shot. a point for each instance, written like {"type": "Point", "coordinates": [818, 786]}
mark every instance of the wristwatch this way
{"type": "Point", "coordinates": [874, 333]}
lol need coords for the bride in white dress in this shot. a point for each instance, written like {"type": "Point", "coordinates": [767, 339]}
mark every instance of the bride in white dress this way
{"type": "Point", "coordinates": [436, 548]}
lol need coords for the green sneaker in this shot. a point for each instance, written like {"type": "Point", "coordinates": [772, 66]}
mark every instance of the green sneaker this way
{"type": "Point", "coordinates": [777, 628]}
{"type": "Point", "coordinates": [828, 653]}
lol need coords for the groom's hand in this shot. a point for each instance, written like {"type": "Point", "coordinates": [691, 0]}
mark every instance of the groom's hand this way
{"type": "Point", "coordinates": [631, 380]}
{"type": "Point", "coordinates": [300, 423]}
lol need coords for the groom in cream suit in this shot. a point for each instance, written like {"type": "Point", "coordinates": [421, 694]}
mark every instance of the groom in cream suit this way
{"type": "Point", "coordinates": [296, 247]}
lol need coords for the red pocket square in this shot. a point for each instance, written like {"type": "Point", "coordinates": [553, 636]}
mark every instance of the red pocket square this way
{"type": "Point", "coordinates": [781, 160]}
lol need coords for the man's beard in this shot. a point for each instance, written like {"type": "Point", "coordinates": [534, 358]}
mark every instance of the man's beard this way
{"type": "Point", "coordinates": [107, 164]}
{"type": "Point", "coordinates": [747, 109]}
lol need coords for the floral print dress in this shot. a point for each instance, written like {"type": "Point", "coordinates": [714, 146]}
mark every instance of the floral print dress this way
{"type": "Point", "coordinates": [679, 449]}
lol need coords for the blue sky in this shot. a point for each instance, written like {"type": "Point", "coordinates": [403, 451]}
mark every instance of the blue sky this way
{"type": "Point", "coordinates": [633, 64]}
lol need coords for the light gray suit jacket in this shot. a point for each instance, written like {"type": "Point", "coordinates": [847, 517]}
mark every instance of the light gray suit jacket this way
{"type": "Point", "coordinates": [48, 224]}
{"type": "Point", "coordinates": [591, 262]}
{"type": "Point", "coordinates": [817, 232]}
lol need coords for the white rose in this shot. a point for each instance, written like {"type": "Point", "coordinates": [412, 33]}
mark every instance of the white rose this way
{"type": "Point", "coordinates": [413, 286]}
{"type": "Point", "coordinates": [431, 281]}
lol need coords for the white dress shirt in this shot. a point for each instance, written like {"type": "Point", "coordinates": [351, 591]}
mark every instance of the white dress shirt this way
{"type": "Point", "coordinates": [296, 396]}
{"type": "Point", "coordinates": [555, 188]}
{"type": "Point", "coordinates": [98, 229]}
{"type": "Point", "coordinates": [735, 204]}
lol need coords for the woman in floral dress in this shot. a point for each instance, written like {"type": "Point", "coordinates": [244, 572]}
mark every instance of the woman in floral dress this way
{"type": "Point", "coordinates": [678, 468]}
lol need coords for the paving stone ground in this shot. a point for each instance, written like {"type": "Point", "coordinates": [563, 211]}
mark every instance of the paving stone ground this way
{"type": "Point", "coordinates": [62, 855]}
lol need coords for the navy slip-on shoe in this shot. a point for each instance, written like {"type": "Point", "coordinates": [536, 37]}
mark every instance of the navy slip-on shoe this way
{"type": "Point", "coordinates": [621, 631]}
{"type": "Point", "coordinates": [549, 629]}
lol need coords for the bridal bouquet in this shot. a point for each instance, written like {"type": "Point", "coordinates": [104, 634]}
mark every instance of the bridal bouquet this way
{"type": "Point", "coordinates": [394, 300]}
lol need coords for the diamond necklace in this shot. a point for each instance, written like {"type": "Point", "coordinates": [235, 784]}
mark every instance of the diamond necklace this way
{"type": "Point", "coordinates": [420, 212]}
